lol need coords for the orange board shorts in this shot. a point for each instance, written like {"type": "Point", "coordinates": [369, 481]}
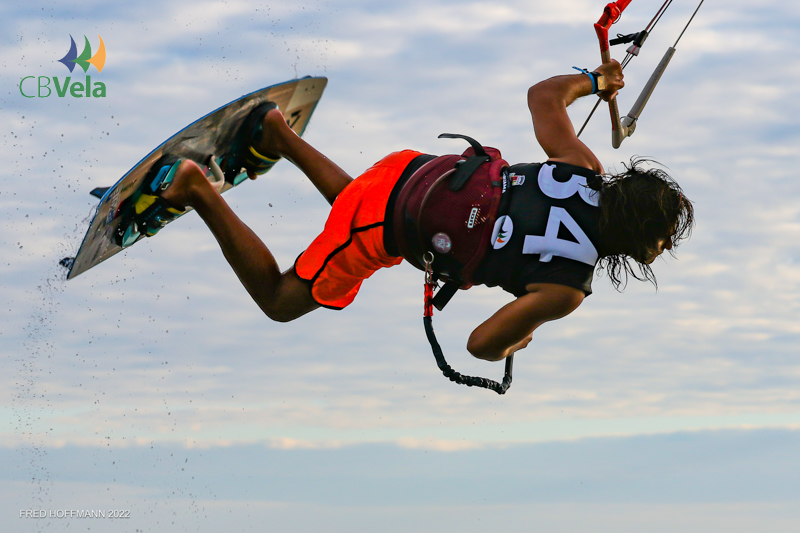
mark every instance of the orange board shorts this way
{"type": "Point", "coordinates": [350, 248]}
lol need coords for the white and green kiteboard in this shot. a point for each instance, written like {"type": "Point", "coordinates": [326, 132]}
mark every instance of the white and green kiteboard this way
{"type": "Point", "coordinates": [201, 141]}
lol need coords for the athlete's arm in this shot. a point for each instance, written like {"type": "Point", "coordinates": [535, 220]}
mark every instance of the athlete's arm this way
{"type": "Point", "coordinates": [510, 328]}
{"type": "Point", "coordinates": [548, 101]}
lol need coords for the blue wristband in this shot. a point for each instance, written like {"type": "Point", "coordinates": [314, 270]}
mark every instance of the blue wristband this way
{"type": "Point", "coordinates": [592, 77]}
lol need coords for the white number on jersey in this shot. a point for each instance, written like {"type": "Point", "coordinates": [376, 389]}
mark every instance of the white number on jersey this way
{"type": "Point", "coordinates": [562, 190]}
{"type": "Point", "coordinates": [550, 245]}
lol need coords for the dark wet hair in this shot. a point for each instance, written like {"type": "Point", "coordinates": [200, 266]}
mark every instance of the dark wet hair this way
{"type": "Point", "coordinates": [639, 207]}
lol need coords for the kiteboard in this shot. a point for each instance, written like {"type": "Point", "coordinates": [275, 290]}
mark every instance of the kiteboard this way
{"type": "Point", "coordinates": [201, 141]}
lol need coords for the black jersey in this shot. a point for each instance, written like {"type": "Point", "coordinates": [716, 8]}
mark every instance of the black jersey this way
{"type": "Point", "coordinates": [546, 230]}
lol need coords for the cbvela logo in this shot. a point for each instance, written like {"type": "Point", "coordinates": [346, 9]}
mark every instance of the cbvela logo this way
{"type": "Point", "coordinates": [44, 86]}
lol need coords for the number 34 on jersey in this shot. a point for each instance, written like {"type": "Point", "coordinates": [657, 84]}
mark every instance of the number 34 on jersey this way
{"type": "Point", "coordinates": [549, 244]}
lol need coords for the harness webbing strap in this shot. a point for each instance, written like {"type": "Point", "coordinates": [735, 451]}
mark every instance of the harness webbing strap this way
{"type": "Point", "coordinates": [465, 170]}
{"type": "Point", "coordinates": [478, 147]}
{"type": "Point", "coordinates": [446, 293]}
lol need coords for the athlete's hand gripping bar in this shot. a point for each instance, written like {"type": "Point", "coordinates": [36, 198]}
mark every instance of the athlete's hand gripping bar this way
{"type": "Point", "coordinates": [622, 128]}
{"type": "Point", "coordinates": [611, 14]}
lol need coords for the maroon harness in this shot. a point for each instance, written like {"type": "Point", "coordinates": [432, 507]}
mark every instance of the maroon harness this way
{"type": "Point", "coordinates": [447, 209]}
{"type": "Point", "coordinates": [443, 222]}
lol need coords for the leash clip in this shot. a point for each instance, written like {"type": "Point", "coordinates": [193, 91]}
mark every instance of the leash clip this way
{"type": "Point", "coordinates": [430, 283]}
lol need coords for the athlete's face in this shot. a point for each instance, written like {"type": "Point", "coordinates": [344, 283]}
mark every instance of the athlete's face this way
{"type": "Point", "coordinates": [661, 246]}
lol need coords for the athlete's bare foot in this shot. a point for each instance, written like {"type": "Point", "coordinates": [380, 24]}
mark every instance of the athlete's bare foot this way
{"type": "Point", "coordinates": [279, 140]}
{"type": "Point", "coordinates": [187, 186]}
{"type": "Point", "coordinates": [274, 130]}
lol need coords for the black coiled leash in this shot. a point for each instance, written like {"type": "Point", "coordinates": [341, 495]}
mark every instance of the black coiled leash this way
{"type": "Point", "coordinates": [447, 370]}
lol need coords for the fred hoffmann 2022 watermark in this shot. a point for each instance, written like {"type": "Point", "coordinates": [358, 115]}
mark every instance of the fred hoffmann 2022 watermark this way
{"type": "Point", "coordinates": [75, 513]}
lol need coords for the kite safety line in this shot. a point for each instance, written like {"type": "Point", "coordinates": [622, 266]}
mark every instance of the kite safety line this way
{"type": "Point", "coordinates": [622, 128]}
{"type": "Point", "coordinates": [447, 370]}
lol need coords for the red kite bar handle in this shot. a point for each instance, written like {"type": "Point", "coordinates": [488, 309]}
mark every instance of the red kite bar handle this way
{"type": "Point", "coordinates": [611, 14]}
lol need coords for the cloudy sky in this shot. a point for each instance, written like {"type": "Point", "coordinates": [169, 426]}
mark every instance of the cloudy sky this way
{"type": "Point", "coordinates": [153, 384]}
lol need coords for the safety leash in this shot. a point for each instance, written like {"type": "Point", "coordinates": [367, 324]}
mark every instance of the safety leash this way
{"type": "Point", "coordinates": [447, 370]}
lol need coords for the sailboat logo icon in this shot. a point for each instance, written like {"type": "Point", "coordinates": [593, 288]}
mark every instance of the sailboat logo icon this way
{"type": "Point", "coordinates": [86, 58]}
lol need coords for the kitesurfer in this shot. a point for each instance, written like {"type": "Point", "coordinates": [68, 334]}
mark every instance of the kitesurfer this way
{"type": "Point", "coordinates": [564, 218]}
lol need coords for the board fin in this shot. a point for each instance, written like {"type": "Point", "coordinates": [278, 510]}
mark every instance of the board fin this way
{"type": "Point", "coordinates": [99, 192]}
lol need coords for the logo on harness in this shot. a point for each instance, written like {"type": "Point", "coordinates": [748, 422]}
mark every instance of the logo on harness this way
{"type": "Point", "coordinates": [442, 243]}
{"type": "Point", "coordinates": [473, 216]}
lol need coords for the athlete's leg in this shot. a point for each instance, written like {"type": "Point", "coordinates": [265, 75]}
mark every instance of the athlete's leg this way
{"type": "Point", "coordinates": [282, 296]}
{"type": "Point", "coordinates": [278, 139]}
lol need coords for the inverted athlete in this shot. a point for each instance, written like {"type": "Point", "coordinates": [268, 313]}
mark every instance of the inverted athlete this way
{"type": "Point", "coordinates": [558, 222]}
